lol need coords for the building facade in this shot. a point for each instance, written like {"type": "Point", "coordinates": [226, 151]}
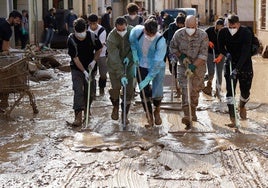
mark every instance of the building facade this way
{"type": "Point", "coordinates": [252, 13]}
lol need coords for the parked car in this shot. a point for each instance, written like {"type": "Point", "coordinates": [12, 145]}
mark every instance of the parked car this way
{"type": "Point", "coordinates": [187, 11]}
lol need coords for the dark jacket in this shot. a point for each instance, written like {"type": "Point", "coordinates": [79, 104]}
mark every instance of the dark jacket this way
{"type": "Point", "coordinates": [50, 21]}
{"type": "Point", "coordinates": [239, 46]}
{"type": "Point", "coordinates": [213, 37]}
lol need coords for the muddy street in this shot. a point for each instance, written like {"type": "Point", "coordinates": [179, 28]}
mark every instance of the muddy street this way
{"type": "Point", "coordinates": [42, 151]}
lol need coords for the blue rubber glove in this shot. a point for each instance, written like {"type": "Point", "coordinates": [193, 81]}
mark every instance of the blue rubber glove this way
{"type": "Point", "coordinates": [182, 57]}
{"type": "Point", "coordinates": [233, 74]}
{"type": "Point", "coordinates": [192, 67]}
{"type": "Point", "coordinates": [145, 82]}
{"type": "Point", "coordinates": [126, 61]}
{"type": "Point", "coordinates": [23, 31]}
{"type": "Point", "coordinates": [135, 57]}
{"type": "Point", "coordinates": [124, 81]}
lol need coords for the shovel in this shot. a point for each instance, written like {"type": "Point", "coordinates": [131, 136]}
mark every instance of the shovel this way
{"type": "Point", "coordinates": [234, 101]}
{"type": "Point", "coordinates": [144, 99]}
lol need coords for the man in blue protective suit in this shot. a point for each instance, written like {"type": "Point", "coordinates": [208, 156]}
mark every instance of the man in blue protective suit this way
{"type": "Point", "coordinates": [149, 49]}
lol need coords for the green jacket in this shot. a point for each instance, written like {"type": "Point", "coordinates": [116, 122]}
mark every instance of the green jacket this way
{"type": "Point", "coordinates": [118, 49]}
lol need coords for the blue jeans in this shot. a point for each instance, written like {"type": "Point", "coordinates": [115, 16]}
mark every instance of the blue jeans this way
{"type": "Point", "coordinates": [49, 36]}
{"type": "Point", "coordinates": [211, 68]}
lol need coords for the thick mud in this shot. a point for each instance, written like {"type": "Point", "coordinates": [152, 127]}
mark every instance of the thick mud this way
{"type": "Point", "coordinates": [42, 151]}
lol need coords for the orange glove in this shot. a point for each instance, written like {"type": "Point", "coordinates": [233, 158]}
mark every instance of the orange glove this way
{"type": "Point", "coordinates": [218, 59]}
{"type": "Point", "coordinates": [210, 44]}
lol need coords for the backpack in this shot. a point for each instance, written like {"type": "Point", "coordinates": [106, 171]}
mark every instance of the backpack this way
{"type": "Point", "coordinates": [139, 37]}
{"type": "Point", "coordinates": [255, 43]}
{"type": "Point", "coordinates": [100, 31]}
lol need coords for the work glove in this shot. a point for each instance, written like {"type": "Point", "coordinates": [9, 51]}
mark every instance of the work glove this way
{"type": "Point", "coordinates": [124, 81]}
{"type": "Point", "coordinates": [192, 67]}
{"type": "Point", "coordinates": [218, 59]}
{"type": "Point", "coordinates": [188, 72]}
{"type": "Point", "coordinates": [210, 44]}
{"type": "Point", "coordinates": [126, 61]}
{"type": "Point", "coordinates": [229, 57]}
{"type": "Point", "coordinates": [173, 59]}
{"type": "Point", "coordinates": [135, 57]}
{"type": "Point", "coordinates": [145, 82]}
{"type": "Point", "coordinates": [86, 75]}
{"type": "Point", "coordinates": [182, 57]}
{"type": "Point", "coordinates": [91, 65]}
{"type": "Point", "coordinates": [173, 62]}
{"type": "Point", "coordinates": [23, 31]}
{"type": "Point", "coordinates": [233, 74]}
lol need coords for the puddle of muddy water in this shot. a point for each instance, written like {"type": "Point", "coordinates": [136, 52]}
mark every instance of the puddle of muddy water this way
{"type": "Point", "coordinates": [45, 144]}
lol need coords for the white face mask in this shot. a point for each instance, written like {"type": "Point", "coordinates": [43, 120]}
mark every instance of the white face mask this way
{"type": "Point", "coordinates": [132, 17]}
{"type": "Point", "coordinates": [150, 38]}
{"type": "Point", "coordinates": [122, 33]}
{"type": "Point", "coordinates": [81, 35]}
{"type": "Point", "coordinates": [190, 31]}
{"type": "Point", "coordinates": [232, 31]}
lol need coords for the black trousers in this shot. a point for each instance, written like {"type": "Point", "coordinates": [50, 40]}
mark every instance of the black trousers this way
{"type": "Point", "coordinates": [244, 79]}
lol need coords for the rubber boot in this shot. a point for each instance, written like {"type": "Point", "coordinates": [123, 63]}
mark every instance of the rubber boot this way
{"type": "Point", "coordinates": [102, 85]}
{"type": "Point", "coordinates": [115, 112]}
{"type": "Point", "coordinates": [193, 110]}
{"type": "Point", "coordinates": [231, 115]}
{"type": "Point", "coordinates": [78, 118]}
{"type": "Point", "coordinates": [243, 111]}
{"type": "Point", "coordinates": [102, 91]}
{"type": "Point", "coordinates": [93, 88]}
{"type": "Point", "coordinates": [150, 118]}
{"type": "Point", "coordinates": [157, 118]}
{"type": "Point", "coordinates": [186, 119]}
{"type": "Point", "coordinates": [178, 92]}
{"type": "Point", "coordinates": [208, 89]}
{"type": "Point", "coordinates": [122, 114]}
{"type": "Point", "coordinates": [4, 101]}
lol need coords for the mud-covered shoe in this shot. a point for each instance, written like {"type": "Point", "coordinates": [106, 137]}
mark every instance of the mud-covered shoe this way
{"type": "Point", "coordinates": [207, 90]}
{"type": "Point", "coordinates": [243, 113]}
{"type": "Point", "coordinates": [232, 123]}
{"type": "Point", "coordinates": [102, 92]}
{"type": "Point", "coordinates": [150, 120]}
{"type": "Point", "coordinates": [194, 118]}
{"type": "Point", "coordinates": [178, 93]}
{"type": "Point", "coordinates": [78, 119]}
{"type": "Point", "coordinates": [186, 121]}
{"type": "Point", "coordinates": [122, 119]}
{"type": "Point", "coordinates": [157, 118]}
{"type": "Point", "coordinates": [115, 113]}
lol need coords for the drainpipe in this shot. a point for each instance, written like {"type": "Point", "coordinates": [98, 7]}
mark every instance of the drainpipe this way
{"type": "Point", "coordinates": [35, 13]}
{"type": "Point", "coordinates": [254, 19]}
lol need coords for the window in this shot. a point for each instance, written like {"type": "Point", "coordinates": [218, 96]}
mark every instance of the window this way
{"type": "Point", "coordinates": [263, 14]}
{"type": "Point", "coordinates": [70, 4]}
{"type": "Point", "coordinates": [58, 4]}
